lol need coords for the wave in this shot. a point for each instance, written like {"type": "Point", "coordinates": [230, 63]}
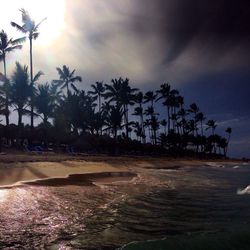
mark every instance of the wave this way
{"type": "Point", "coordinates": [214, 164]}
{"type": "Point", "coordinates": [244, 191]}
{"type": "Point", "coordinates": [238, 239]}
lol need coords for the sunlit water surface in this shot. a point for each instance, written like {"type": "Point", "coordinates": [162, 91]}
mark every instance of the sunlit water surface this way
{"type": "Point", "coordinates": [155, 204]}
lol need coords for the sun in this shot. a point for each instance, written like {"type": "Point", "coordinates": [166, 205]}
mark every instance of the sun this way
{"type": "Point", "coordinates": [52, 10]}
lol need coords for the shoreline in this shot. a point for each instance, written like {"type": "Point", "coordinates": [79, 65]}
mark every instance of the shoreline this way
{"type": "Point", "coordinates": [61, 169]}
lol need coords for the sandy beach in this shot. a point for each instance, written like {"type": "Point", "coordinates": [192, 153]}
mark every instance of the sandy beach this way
{"type": "Point", "coordinates": [19, 168]}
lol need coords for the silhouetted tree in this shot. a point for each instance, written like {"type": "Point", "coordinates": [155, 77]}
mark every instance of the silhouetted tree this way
{"type": "Point", "coordinates": [29, 27]}
{"type": "Point", "coordinates": [20, 91]}
{"type": "Point", "coordinates": [98, 91]}
{"type": "Point", "coordinates": [121, 93]}
{"type": "Point", "coordinates": [6, 46]}
{"type": "Point", "coordinates": [114, 119]}
{"type": "Point", "coordinates": [67, 79]}
{"type": "Point", "coordinates": [45, 102]}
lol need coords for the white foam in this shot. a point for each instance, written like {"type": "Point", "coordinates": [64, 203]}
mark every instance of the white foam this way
{"type": "Point", "coordinates": [236, 167]}
{"type": "Point", "coordinates": [244, 191]}
{"type": "Point", "coordinates": [215, 164]}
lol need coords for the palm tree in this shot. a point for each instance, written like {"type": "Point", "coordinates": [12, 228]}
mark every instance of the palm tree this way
{"type": "Point", "coordinates": [182, 115]}
{"type": "Point", "coordinates": [150, 96]}
{"type": "Point", "coordinates": [170, 99]}
{"type": "Point", "coordinates": [20, 90]}
{"type": "Point", "coordinates": [155, 127]}
{"type": "Point", "coordinates": [150, 111]}
{"type": "Point", "coordinates": [147, 124]}
{"type": "Point", "coordinates": [164, 123]}
{"type": "Point", "coordinates": [199, 117]}
{"type": "Point", "coordinates": [194, 109]}
{"type": "Point", "coordinates": [45, 102]}
{"type": "Point", "coordinates": [139, 112]}
{"type": "Point", "coordinates": [121, 93]}
{"type": "Point", "coordinates": [6, 46]}
{"type": "Point", "coordinates": [29, 27]}
{"type": "Point", "coordinates": [164, 93]}
{"type": "Point", "coordinates": [211, 124]}
{"type": "Point", "coordinates": [114, 119]}
{"type": "Point", "coordinates": [229, 132]}
{"type": "Point", "coordinates": [67, 78]}
{"type": "Point", "coordinates": [98, 91]}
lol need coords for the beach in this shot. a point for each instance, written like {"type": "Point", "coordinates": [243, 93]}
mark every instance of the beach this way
{"type": "Point", "coordinates": [19, 168]}
{"type": "Point", "coordinates": [52, 201]}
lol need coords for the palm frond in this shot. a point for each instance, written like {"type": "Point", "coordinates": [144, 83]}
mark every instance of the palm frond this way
{"type": "Point", "coordinates": [10, 49]}
{"type": "Point", "coordinates": [57, 82]}
{"type": "Point", "coordinates": [35, 35]}
{"type": "Point", "coordinates": [74, 88]}
{"type": "Point", "coordinates": [37, 26]}
{"type": "Point", "coordinates": [25, 16]}
{"type": "Point", "coordinates": [72, 73]}
{"type": "Point", "coordinates": [60, 72]}
{"type": "Point", "coordinates": [76, 78]}
{"type": "Point", "coordinates": [18, 41]}
{"type": "Point", "coordinates": [37, 76]}
{"type": "Point", "coordinates": [18, 27]}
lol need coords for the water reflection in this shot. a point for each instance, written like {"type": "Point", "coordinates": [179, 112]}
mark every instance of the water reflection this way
{"type": "Point", "coordinates": [154, 204]}
{"type": "Point", "coordinates": [3, 194]}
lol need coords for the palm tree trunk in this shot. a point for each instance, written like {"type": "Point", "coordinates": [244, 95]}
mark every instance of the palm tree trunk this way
{"type": "Point", "coordinates": [19, 118]}
{"type": "Point", "coordinates": [6, 97]}
{"type": "Point", "coordinates": [99, 101]}
{"type": "Point", "coordinates": [4, 66]}
{"type": "Point", "coordinates": [168, 120]}
{"type": "Point", "coordinates": [143, 129]}
{"type": "Point", "coordinates": [228, 140]}
{"type": "Point", "coordinates": [155, 137]}
{"type": "Point", "coordinates": [115, 132]}
{"type": "Point", "coordinates": [201, 128]}
{"type": "Point", "coordinates": [126, 119]}
{"type": "Point", "coordinates": [31, 80]}
{"type": "Point", "coordinates": [67, 86]}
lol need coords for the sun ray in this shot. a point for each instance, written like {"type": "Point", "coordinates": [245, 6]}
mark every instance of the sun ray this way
{"type": "Point", "coordinates": [53, 11]}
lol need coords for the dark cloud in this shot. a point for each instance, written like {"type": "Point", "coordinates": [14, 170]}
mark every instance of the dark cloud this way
{"type": "Point", "coordinates": [218, 25]}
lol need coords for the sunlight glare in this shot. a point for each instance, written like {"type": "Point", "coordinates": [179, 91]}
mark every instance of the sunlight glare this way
{"type": "Point", "coordinates": [54, 11]}
{"type": "Point", "coordinates": [3, 194]}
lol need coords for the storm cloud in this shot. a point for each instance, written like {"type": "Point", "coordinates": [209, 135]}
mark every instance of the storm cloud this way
{"type": "Point", "coordinates": [216, 26]}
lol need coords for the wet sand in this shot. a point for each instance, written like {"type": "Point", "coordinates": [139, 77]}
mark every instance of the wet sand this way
{"type": "Point", "coordinates": [16, 169]}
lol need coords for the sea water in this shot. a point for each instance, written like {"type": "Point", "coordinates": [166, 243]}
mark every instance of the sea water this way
{"type": "Point", "coordinates": [179, 208]}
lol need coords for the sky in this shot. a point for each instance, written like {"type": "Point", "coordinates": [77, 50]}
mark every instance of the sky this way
{"type": "Point", "coordinates": [200, 47]}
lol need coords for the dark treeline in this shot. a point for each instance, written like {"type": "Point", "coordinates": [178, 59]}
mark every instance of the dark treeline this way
{"type": "Point", "coordinates": [111, 118]}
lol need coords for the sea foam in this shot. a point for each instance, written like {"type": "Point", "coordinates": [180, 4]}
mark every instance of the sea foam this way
{"type": "Point", "coordinates": [244, 191]}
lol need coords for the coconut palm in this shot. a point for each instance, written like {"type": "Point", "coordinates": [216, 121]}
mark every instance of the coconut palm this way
{"type": "Point", "coordinates": [44, 102]}
{"type": "Point", "coordinates": [164, 123]}
{"type": "Point", "coordinates": [150, 96]}
{"type": "Point", "coordinates": [123, 95]}
{"type": "Point", "coordinates": [30, 28]}
{"type": "Point", "coordinates": [98, 91]}
{"type": "Point", "coordinates": [229, 132]}
{"type": "Point", "coordinates": [20, 90]}
{"type": "Point", "coordinates": [211, 124]}
{"type": "Point", "coordinates": [155, 126]}
{"type": "Point", "coordinates": [164, 93]}
{"type": "Point", "coordinates": [114, 119]}
{"type": "Point", "coordinates": [199, 117]}
{"type": "Point", "coordinates": [67, 79]}
{"type": "Point", "coordinates": [6, 46]}
{"type": "Point", "coordinates": [139, 112]}
{"type": "Point", "coordinates": [194, 109]}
